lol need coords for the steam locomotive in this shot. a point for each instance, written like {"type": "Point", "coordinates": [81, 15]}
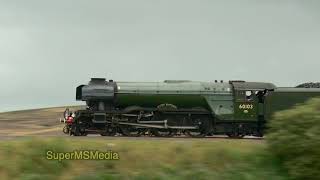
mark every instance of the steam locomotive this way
{"type": "Point", "coordinates": [181, 107]}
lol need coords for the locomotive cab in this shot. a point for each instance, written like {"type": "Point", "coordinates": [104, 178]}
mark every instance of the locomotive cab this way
{"type": "Point", "coordinates": [249, 104]}
{"type": "Point", "coordinates": [249, 99]}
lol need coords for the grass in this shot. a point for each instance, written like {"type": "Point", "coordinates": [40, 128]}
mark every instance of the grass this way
{"type": "Point", "coordinates": [140, 159]}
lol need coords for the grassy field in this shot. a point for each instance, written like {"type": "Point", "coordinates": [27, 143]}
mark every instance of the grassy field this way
{"type": "Point", "coordinates": [140, 159]}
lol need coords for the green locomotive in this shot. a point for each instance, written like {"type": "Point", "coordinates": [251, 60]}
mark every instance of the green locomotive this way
{"type": "Point", "coordinates": [196, 109]}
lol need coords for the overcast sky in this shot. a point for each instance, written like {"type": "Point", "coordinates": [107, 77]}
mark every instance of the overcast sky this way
{"type": "Point", "coordinates": [47, 48]}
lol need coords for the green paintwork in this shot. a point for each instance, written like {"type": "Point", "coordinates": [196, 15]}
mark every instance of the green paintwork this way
{"type": "Point", "coordinates": [216, 97]}
{"type": "Point", "coordinates": [245, 109]}
{"type": "Point", "coordinates": [181, 101]}
{"type": "Point", "coordinates": [285, 98]}
{"type": "Point", "coordinates": [221, 105]}
{"type": "Point", "coordinates": [174, 88]}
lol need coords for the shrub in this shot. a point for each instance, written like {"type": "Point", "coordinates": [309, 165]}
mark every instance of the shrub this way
{"type": "Point", "coordinates": [294, 137]}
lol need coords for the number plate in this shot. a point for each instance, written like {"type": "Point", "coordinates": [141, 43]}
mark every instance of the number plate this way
{"type": "Point", "coordinates": [246, 106]}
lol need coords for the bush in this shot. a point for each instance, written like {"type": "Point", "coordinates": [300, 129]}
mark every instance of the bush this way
{"type": "Point", "coordinates": [294, 137]}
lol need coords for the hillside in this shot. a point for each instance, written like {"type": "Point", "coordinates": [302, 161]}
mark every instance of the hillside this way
{"type": "Point", "coordinates": [32, 122]}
